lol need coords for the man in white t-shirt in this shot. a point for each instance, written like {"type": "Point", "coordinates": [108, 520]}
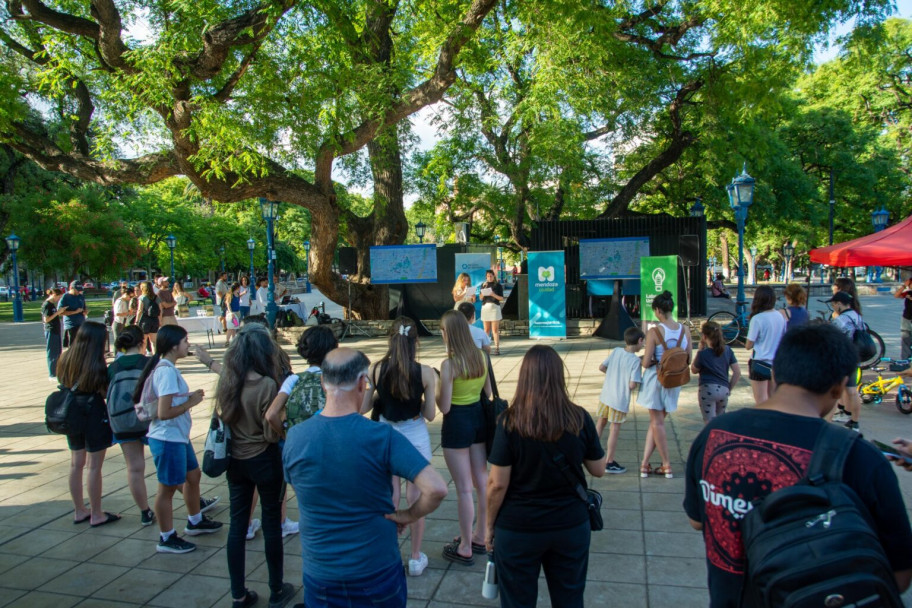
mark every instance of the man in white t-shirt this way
{"type": "Point", "coordinates": [482, 340]}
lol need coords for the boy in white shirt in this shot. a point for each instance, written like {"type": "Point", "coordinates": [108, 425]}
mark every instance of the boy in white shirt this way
{"type": "Point", "coordinates": [481, 339]}
{"type": "Point", "coordinates": [623, 372]}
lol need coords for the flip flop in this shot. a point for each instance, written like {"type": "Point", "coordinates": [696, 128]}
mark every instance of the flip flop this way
{"type": "Point", "coordinates": [109, 519]}
{"type": "Point", "coordinates": [82, 521]}
{"type": "Point", "coordinates": [478, 549]}
{"type": "Point", "coordinates": [451, 553]}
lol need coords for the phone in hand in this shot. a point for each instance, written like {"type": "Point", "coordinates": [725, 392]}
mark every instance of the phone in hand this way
{"type": "Point", "coordinates": [891, 452]}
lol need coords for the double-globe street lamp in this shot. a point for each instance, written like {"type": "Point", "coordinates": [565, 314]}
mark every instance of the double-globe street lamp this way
{"type": "Point", "coordinates": [788, 250]}
{"type": "Point", "coordinates": [12, 241]}
{"type": "Point", "coordinates": [740, 198]}
{"type": "Point", "coordinates": [172, 243]}
{"type": "Point", "coordinates": [270, 211]}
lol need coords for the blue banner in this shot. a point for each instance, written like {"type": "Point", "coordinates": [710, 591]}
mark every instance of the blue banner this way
{"type": "Point", "coordinates": [547, 295]}
{"type": "Point", "coordinates": [475, 265]}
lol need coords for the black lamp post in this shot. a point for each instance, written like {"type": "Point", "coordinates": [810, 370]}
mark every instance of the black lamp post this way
{"type": "Point", "coordinates": [172, 243]}
{"type": "Point", "coordinates": [788, 250]}
{"type": "Point", "coordinates": [270, 211]}
{"type": "Point", "coordinates": [420, 229]}
{"type": "Point", "coordinates": [306, 266]}
{"type": "Point", "coordinates": [251, 245]}
{"type": "Point", "coordinates": [500, 252]}
{"type": "Point", "coordinates": [697, 210]}
{"type": "Point", "coordinates": [740, 198]}
{"type": "Point", "coordinates": [879, 219]}
{"type": "Point", "coordinates": [12, 241]}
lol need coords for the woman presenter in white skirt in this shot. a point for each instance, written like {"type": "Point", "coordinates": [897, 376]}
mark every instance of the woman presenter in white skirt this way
{"type": "Point", "coordinates": [492, 297]}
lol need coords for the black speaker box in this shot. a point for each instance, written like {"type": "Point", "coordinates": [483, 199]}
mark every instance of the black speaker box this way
{"type": "Point", "coordinates": [348, 260]}
{"type": "Point", "coordinates": [689, 249]}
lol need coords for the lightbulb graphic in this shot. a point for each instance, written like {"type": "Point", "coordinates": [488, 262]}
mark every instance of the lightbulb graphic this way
{"type": "Point", "coordinates": [658, 275]}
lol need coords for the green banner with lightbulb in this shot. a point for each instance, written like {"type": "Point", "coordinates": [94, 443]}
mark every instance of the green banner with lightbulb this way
{"type": "Point", "coordinates": [657, 274]}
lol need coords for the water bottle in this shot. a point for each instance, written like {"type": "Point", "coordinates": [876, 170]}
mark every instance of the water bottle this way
{"type": "Point", "coordinates": [489, 588]}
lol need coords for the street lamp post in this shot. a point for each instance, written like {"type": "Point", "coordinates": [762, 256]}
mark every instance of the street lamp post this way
{"type": "Point", "coordinates": [500, 253]}
{"type": "Point", "coordinates": [251, 245]}
{"type": "Point", "coordinates": [420, 229]}
{"type": "Point", "coordinates": [753, 251]}
{"type": "Point", "coordinates": [740, 197]}
{"type": "Point", "coordinates": [306, 266]}
{"type": "Point", "coordinates": [788, 251]}
{"type": "Point", "coordinates": [270, 211]}
{"type": "Point", "coordinates": [879, 219]}
{"type": "Point", "coordinates": [12, 241]}
{"type": "Point", "coordinates": [172, 243]}
{"type": "Point", "coordinates": [697, 210]}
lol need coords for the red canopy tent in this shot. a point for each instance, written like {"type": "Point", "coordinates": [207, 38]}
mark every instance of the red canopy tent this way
{"type": "Point", "coordinates": [889, 247]}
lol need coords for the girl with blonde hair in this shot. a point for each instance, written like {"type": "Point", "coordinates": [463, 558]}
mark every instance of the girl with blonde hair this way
{"type": "Point", "coordinates": [463, 290]}
{"type": "Point", "coordinates": [463, 375]}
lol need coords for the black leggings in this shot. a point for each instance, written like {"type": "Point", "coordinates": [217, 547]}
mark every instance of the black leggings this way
{"type": "Point", "coordinates": [263, 472]}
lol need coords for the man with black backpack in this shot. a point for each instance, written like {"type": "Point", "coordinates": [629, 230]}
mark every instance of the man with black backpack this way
{"type": "Point", "coordinates": [794, 510]}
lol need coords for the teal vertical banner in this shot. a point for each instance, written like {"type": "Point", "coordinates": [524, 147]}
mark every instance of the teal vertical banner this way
{"type": "Point", "coordinates": [547, 295]}
{"type": "Point", "coordinates": [475, 265]}
{"type": "Point", "coordinates": [657, 274]}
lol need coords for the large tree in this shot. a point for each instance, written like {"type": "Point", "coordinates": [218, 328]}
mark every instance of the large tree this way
{"type": "Point", "coordinates": [234, 96]}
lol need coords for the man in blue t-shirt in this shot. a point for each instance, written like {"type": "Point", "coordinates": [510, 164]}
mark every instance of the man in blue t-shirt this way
{"type": "Point", "coordinates": [341, 466]}
{"type": "Point", "coordinates": [73, 309]}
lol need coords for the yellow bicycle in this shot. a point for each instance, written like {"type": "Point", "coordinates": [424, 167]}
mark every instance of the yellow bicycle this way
{"type": "Point", "coordinates": [873, 392]}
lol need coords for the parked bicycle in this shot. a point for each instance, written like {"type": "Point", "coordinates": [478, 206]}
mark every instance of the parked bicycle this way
{"type": "Point", "coordinates": [318, 316]}
{"type": "Point", "coordinates": [824, 316]}
{"type": "Point", "coordinates": [734, 326]}
{"type": "Point", "coordinates": [874, 392]}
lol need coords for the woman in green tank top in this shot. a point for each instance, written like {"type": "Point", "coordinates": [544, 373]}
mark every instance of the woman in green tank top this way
{"type": "Point", "coordinates": [463, 374]}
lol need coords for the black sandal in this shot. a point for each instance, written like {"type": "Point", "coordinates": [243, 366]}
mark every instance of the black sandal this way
{"type": "Point", "coordinates": [451, 553]}
{"type": "Point", "coordinates": [477, 548]}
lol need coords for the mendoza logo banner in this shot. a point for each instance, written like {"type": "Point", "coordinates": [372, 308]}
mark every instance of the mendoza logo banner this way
{"type": "Point", "coordinates": [657, 274]}
{"type": "Point", "coordinates": [547, 295]}
{"type": "Point", "coordinates": [475, 265]}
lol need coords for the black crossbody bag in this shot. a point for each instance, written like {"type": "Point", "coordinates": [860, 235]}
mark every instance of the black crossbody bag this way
{"type": "Point", "coordinates": [591, 497]}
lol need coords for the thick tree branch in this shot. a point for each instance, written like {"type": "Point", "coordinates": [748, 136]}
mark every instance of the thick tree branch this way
{"type": "Point", "coordinates": [426, 93]}
{"type": "Point", "coordinates": [110, 45]}
{"type": "Point", "coordinates": [224, 94]}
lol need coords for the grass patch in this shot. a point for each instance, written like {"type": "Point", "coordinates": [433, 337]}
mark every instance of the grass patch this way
{"type": "Point", "coordinates": [30, 310]}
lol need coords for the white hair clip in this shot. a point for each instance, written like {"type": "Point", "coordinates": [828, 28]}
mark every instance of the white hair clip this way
{"type": "Point", "coordinates": [404, 330]}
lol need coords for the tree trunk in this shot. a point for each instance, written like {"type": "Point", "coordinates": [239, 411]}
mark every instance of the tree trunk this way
{"type": "Point", "coordinates": [726, 268]}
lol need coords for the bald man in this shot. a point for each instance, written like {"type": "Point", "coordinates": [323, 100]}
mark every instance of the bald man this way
{"type": "Point", "coordinates": [341, 466]}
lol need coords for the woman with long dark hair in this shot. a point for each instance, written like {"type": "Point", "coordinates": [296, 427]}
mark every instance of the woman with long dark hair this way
{"type": "Point", "coordinates": [406, 402]}
{"type": "Point", "coordinates": [767, 326]}
{"type": "Point", "coordinates": [52, 338]}
{"type": "Point", "coordinates": [128, 345]}
{"type": "Point", "coordinates": [244, 296]}
{"type": "Point", "coordinates": [82, 368]}
{"type": "Point", "coordinates": [248, 381]}
{"type": "Point", "coordinates": [847, 285]}
{"type": "Point", "coordinates": [463, 375]}
{"type": "Point", "coordinates": [660, 401]}
{"type": "Point", "coordinates": [535, 516]}
{"type": "Point", "coordinates": [146, 317]}
{"type": "Point", "coordinates": [169, 439]}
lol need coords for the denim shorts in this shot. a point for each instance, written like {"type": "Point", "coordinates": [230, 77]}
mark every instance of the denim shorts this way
{"type": "Point", "coordinates": [463, 426]}
{"type": "Point", "coordinates": [385, 589]}
{"type": "Point", "coordinates": [173, 461]}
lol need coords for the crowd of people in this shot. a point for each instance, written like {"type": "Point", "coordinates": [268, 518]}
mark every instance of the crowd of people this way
{"type": "Point", "coordinates": [516, 482]}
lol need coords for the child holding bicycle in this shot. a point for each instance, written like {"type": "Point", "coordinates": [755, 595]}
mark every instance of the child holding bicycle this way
{"type": "Point", "coordinates": [848, 321]}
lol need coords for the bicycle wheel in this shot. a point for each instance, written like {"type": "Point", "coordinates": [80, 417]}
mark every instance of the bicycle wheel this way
{"type": "Point", "coordinates": [731, 328]}
{"type": "Point", "coordinates": [339, 327]}
{"type": "Point", "coordinates": [904, 399]}
{"type": "Point", "coordinates": [867, 398]}
{"type": "Point", "coordinates": [879, 348]}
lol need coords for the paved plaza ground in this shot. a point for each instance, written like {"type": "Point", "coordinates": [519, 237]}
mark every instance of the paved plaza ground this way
{"type": "Point", "coordinates": [647, 555]}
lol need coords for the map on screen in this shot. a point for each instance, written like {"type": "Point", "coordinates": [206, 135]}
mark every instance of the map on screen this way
{"type": "Point", "coordinates": [404, 264]}
{"type": "Point", "coordinates": [612, 258]}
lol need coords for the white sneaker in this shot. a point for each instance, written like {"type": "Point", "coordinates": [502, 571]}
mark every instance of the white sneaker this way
{"type": "Point", "coordinates": [255, 525]}
{"type": "Point", "coordinates": [417, 566]}
{"type": "Point", "coordinates": [289, 527]}
{"type": "Point", "coordinates": [841, 417]}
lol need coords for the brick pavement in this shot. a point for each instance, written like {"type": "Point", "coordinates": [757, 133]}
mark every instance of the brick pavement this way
{"type": "Point", "coordinates": [646, 556]}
